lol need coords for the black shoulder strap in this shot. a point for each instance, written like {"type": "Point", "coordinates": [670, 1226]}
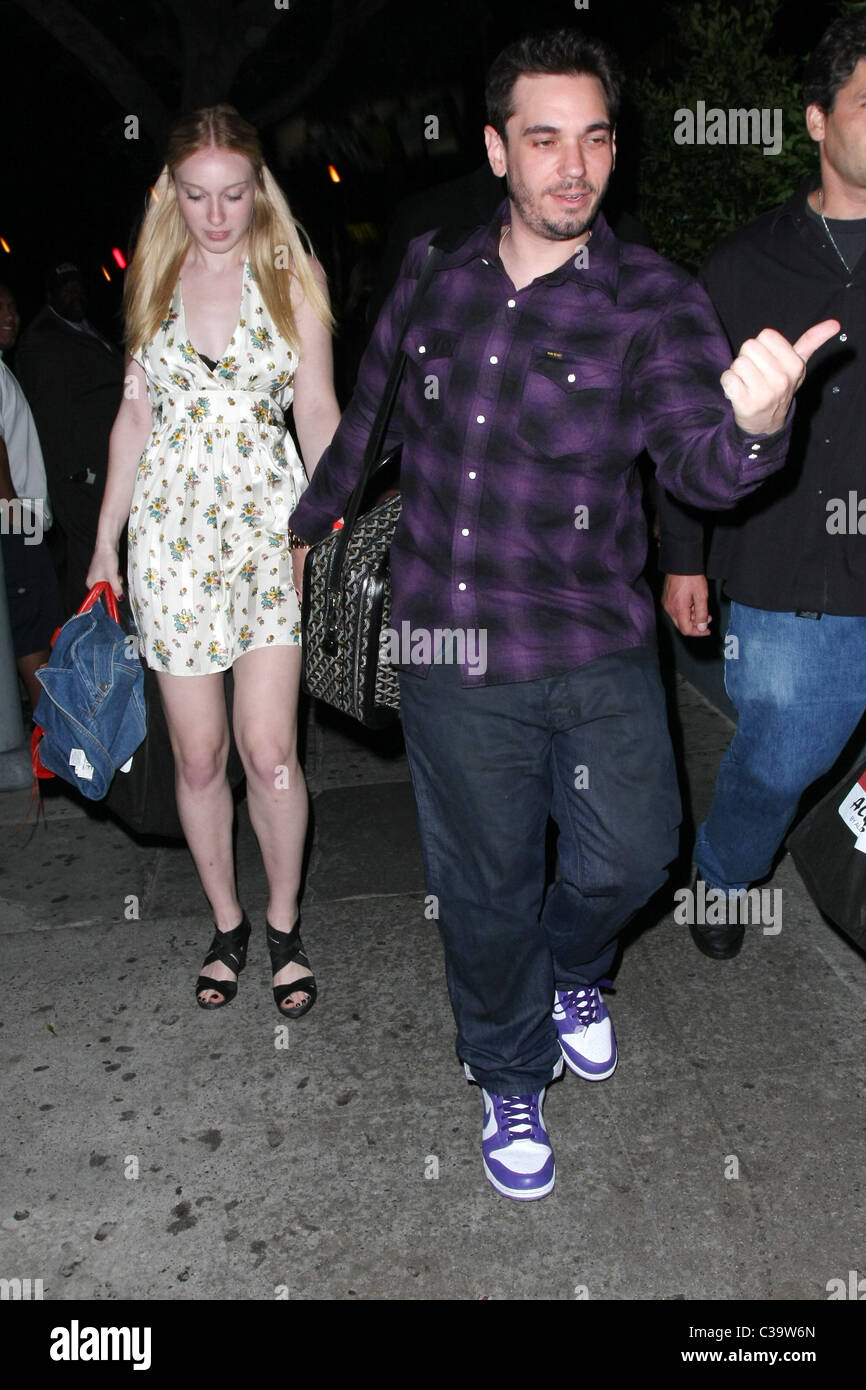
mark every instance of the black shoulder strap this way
{"type": "Point", "coordinates": [379, 428]}
{"type": "Point", "coordinates": [443, 242]}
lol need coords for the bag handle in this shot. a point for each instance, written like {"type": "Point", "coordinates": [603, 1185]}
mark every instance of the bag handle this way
{"type": "Point", "coordinates": [102, 590]}
{"type": "Point", "coordinates": [378, 431]}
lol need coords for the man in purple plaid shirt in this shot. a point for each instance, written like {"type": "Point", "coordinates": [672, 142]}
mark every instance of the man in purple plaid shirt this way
{"type": "Point", "coordinates": [544, 357]}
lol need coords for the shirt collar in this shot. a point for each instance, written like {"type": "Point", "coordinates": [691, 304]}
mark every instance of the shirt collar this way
{"type": "Point", "coordinates": [601, 270]}
{"type": "Point", "coordinates": [79, 325]}
{"type": "Point", "coordinates": [795, 206]}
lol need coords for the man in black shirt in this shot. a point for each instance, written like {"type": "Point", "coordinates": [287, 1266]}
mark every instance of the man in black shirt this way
{"type": "Point", "coordinates": [73, 378]}
{"type": "Point", "coordinates": [793, 556]}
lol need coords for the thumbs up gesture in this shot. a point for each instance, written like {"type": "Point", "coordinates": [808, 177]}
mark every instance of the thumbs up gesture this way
{"type": "Point", "coordinates": [761, 381]}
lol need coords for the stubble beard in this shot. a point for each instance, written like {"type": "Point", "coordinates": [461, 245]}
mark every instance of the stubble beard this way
{"type": "Point", "coordinates": [566, 229]}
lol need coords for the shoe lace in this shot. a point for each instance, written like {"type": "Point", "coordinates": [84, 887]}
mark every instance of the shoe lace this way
{"type": "Point", "coordinates": [584, 1003]}
{"type": "Point", "coordinates": [519, 1116]}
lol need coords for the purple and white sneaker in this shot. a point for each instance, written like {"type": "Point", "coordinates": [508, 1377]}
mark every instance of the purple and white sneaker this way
{"type": "Point", "coordinates": [518, 1159]}
{"type": "Point", "coordinates": [586, 1033]}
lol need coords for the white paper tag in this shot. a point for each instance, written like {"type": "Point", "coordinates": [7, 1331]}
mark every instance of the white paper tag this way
{"type": "Point", "coordinates": [853, 810]}
{"type": "Point", "coordinates": [127, 766]}
{"type": "Point", "coordinates": [78, 762]}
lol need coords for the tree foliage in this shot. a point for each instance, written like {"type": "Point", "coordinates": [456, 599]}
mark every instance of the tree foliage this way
{"type": "Point", "coordinates": [723, 54]}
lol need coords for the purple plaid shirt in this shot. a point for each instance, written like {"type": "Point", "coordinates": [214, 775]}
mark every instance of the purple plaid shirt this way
{"type": "Point", "coordinates": [521, 415]}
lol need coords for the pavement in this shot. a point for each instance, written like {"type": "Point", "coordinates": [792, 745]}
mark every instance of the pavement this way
{"type": "Point", "coordinates": [155, 1151]}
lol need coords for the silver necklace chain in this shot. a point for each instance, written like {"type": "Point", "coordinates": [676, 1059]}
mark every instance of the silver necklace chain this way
{"type": "Point", "coordinates": [507, 228]}
{"type": "Point", "coordinates": [829, 233]}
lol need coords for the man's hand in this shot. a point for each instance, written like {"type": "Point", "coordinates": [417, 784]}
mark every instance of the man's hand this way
{"type": "Point", "coordinates": [762, 380]}
{"type": "Point", "coordinates": [684, 599]}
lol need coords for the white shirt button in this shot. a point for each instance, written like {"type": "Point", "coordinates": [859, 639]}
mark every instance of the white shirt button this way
{"type": "Point", "coordinates": [480, 419]}
{"type": "Point", "coordinates": [512, 303]}
{"type": "Point", "coordinates": [572, 377]}
{"type": "Point", "coordinates": [422, 348]}
{"type": "Point", "coordinates": [461, 586]}
{"type": "Point", "coordinates": [843, 337]}
{"type": "Point", "coordinates": [472, 474]}
{"type": "Point", "coordinates": [465, 531]}
{"type": "Point", "coordinates": [494, 360]}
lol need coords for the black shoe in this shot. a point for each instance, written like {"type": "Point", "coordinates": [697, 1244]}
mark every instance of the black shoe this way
{"type": "Point", "coordinates": [718, 942]}
{"type": "Point", "coordinates": [286, 948]}
{"type": "Point", "coordinates": [230, 947]}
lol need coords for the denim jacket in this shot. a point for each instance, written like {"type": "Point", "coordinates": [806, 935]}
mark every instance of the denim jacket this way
{"type": "Point", "coordinates": [92, 707]}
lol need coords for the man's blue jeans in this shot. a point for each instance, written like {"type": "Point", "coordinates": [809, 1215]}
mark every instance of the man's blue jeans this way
{"type": "Point", "coordinates": [489, 766]}
{"type": "Point", "coordinates": [799, 686]}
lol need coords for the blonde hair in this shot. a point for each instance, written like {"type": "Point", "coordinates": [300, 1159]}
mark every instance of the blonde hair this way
{"type": "Point", "coordinates": [164, 239]}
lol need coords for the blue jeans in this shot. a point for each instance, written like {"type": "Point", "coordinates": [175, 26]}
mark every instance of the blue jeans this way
{"type": "Point", "coordinates": [489, 766]}
{"type": "Point", "coordinates": [799, 686]}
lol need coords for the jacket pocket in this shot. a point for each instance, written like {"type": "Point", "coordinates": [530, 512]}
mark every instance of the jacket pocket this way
{"type": "Point", "coordinates": [568, 403]}
{"type": "Point", "coordinates": [425, 394]}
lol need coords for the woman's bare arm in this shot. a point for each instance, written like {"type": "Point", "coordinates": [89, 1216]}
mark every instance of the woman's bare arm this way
{"type": "Point", "coordinates": [316, 411]}
{"type": "Point", "coordinates": [129, 434]}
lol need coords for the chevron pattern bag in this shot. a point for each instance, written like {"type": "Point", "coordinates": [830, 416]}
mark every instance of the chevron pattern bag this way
{"type": "Point", "coordinates": [343, 662]}
{"type": "Point", "coordinates": [346, 604]}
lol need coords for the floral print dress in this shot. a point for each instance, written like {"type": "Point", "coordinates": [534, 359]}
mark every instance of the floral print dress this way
{"type": "Point", "coordinates": [210, 574]}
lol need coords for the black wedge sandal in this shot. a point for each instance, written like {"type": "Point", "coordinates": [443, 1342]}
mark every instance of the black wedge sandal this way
{"type": "Point", "coordinates": [230, 947]}
{"type": "Point", "coordinates": [286, 948]}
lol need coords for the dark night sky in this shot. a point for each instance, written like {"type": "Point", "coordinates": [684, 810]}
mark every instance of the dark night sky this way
{"type": "Point", "coordinates": [73, 186]}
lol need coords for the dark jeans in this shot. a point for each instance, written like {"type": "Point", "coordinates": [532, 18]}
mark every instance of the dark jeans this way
{"type": "Point", "coordinates": [489, 765]}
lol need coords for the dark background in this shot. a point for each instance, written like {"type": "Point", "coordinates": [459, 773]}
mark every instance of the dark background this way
{"type": "Point", "coordinates": [326, 82]}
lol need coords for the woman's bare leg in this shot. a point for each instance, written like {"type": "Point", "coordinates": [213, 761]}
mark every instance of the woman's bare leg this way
{"type": "Point", "coordinates": [196, 714]}
{"type": "Point", "coordinates": [266, 729]}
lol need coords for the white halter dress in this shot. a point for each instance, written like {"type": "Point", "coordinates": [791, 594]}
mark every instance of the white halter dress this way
{"type": "Point", "coordinates": [210, 574]}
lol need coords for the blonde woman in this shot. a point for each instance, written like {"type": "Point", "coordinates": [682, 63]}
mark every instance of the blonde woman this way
{"type": "Point", "coordinates": [227, 324]}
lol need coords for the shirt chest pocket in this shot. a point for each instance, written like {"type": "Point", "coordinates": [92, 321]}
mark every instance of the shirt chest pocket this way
{"type": "Point", "coordinates": [430, 353]}
{"type": "Point", "coordinates": [569, 404]}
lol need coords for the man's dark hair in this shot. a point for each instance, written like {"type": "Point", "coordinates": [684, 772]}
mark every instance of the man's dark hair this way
{"type": "Point", "coordinates": [839, 50]}
{"type": "Point", "coordinates": [558, 51]}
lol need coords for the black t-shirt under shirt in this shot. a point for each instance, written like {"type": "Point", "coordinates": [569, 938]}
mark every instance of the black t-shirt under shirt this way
{"type": "Point", "coordinates": [849, 234]}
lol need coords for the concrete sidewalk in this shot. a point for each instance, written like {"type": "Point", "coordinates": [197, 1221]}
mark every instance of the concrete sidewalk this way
{"type": "Point", "coordinates": [151, 1150]}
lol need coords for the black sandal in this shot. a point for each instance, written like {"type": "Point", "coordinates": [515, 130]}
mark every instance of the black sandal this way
{"type": "Point", "coordinates": [230, 947]}
{"type": "Point", "coordinates": [286, 948]}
